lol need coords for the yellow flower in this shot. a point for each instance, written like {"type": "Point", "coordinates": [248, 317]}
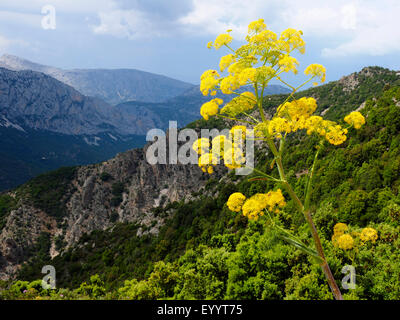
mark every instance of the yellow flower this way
{"type": "Point", "coordinates": [222, 39]}
{"type": "Point", "coordinates": [263, 38]}
{"type": "Point", "coordinates": [246, 101]}
{"type": "Point", "coordinates": [226, 61]}
{"type": "Point", "coordinates": [229, 84]}
{"type": "Point", "coordinates": [247, 75]}
{"type": "Point", "coordinates": [293, 40]}
{"type": "Point", "coordinates": [235, 201]}
{"type": "Point", "coordinates": [209, 44]}
{"type": "Point", "coordinates": [315, 124]}
{"type": "Point", "coordinates": [316, 70]}
{"type": "Point", "coordinates": [355, 119]}
{"type": "Point", "coordinates": [207, 161]}
{"type": "Point", "coordinates": [256, 26]}
{"type": "Point", "coordinates": [253, 207]}
{"type": "Point", "coordinates": [236, 67]}
{"type": "Point", "coordinates": [201, 145]}
{"type": "Point", "coordinates": [288, 63]}
{"type": "Point", "coordinates": [265, 73]}
{"type": "Point", "coordinates": [210, 108]}
{"type": "Point", "coordinates": [238, 133]}
{"type": "Point", "coordinates": [208, 81]}
{"type": "Point", "coordinates": [274, 200]}
{"type": "Point", "coordinates": [345, 242]}
{"type": "Point", "coordinates": [303, 107]}
{"type": "Point", "coordinates": [335, 134]}
{"type": "Point", "coordinates": [340, 228]}
{"type": "Point", "coordinates": [277, 126]}
{"type": "Point", "coordinates": [233, 158]}
{"type": "Point", "coordinates": [369, 234]}
{"type": "Point", "coordinates": [261, 129]}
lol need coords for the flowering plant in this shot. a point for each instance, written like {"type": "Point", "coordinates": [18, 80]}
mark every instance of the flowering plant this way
{"type": "Point", "coordinates": [265, 57]}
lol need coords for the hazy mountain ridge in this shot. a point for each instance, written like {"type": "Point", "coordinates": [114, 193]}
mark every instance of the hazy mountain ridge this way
{"type": "Point", "coordinates": [112, 85]}
{"type": "Point", "coordinates": [45, 124]}
{"type": "Point", "coordinates": [185, 107]}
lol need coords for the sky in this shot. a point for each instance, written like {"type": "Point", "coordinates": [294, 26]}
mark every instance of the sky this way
{"type": "Point", "coordinates": [169, 37]}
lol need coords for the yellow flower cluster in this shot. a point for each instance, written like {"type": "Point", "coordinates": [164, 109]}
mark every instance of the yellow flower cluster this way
{"type": "Point", "coordinates": [369, 234]}
{"type": "Point", "coordinates": [201, 145]}
{"type": "Point", "coordinates": [288, 63]}
{"type": "Point", "coordinates": [229, 84]}
{"type": "Point", "coordinates": [335, 134]}
{"type": "Point", "coordinates": [257, 26]}
{"type": "Point", "coordinates": [254, 207]}
{"type": "Point", "coordinates": [262, 46]}
{"type": "Point", "coordinates": [238, 133]}
{"type": "Point", "coordinates": [208, 82]}
{"type": "Point", "coordinates": [233, 157]}
{"type": "Point", "coordinates": [265, 36]}
{"type": "Point", "coordinates": [292, 39]}
{"type": "Point", "coordinates": [210, 108]}
{"type": "Point", "coordinates": [303, 107]}
{"type": "Point", "coordinates": [279, 125]}
{"type": "Point", "coordinates": [221, 40]}
{"type": "Point", "coordinates": [345, 241]}
{"type": "Point", "coordinates": [226, 61]}
{"type": "Point", "coordinates": [248, 75]}
{"type": "Point", "coordinates": [340, 238]}
{"type": "Point", "coordinates": [316, 70]}
{"type": "Point", "coordinates": [227, 148]}
{"type": "Point", "coordinates": [246, 101]}
{"type": "Point", "coordinates": [355, 119]}
{"type": "Point", "coordinates": [236, 201]}
{"type": "Point", "coordinates": [297, 115]}
{"type": "Point", "coordinates": [207, 161]}
{"type": "Point", "coordinates": [340, 228]}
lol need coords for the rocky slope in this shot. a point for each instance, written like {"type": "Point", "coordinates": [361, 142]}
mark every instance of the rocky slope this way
{"type": "Point", "coordinates": [45, 124]}
{"type": "Point", "coordinates": [113, 86]}
{"type": "Point", "coordinates": [89, 201]}
{"type": "Point", "coordinates": [34, 100]}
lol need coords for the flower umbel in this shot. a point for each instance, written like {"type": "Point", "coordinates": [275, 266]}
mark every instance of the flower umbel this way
{"type": "Point", "coordinates": [355, 119]}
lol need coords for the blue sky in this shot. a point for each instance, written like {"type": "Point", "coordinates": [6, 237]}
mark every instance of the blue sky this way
{"type": "Point", "coordinates": [169, 36]}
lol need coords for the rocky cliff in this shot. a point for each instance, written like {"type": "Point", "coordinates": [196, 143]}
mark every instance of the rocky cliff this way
{"type": "Point", "coordinates": [124, 189]}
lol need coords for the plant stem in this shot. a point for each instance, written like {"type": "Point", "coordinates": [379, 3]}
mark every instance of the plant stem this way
{"type": "Point", "coordinates": [324, 265]}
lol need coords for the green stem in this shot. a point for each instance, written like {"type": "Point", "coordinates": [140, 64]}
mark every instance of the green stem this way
{"type": "Point", "coordinates": [309, 182]}
{"type": "Point", "coordinates": [324, 265]}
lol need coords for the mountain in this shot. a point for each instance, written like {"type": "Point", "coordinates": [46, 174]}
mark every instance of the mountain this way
{"type": "Point", "coordinates": [113, 86]}
{"type": "Point", "coordinates": [183, 108]}
{"type": "Point", "coordinates": [119, 218]}
{"type": "Point", "coordinates": [45, 124]}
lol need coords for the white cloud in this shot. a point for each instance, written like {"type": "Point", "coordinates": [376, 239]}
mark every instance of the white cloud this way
{"type": "Point", "coordinates": [66, 6]}
{"type": "Point", "coordinates": [6, 43]}
{"type": "Point", "coordinates": [125, 24]}
{"type": "Point", "coordinates": [343, 27]}
{"type": "Point", "coordinates": [354, 27]}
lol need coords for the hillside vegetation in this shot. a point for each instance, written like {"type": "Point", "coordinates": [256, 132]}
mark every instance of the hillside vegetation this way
{"type": "Point", "coordinates": [205, 251]}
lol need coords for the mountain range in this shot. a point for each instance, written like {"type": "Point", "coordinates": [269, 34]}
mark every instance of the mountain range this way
{"type": "Point", "coordinates": [111, 85]}
{"type": "Point", "coordinates": [46, 123]}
